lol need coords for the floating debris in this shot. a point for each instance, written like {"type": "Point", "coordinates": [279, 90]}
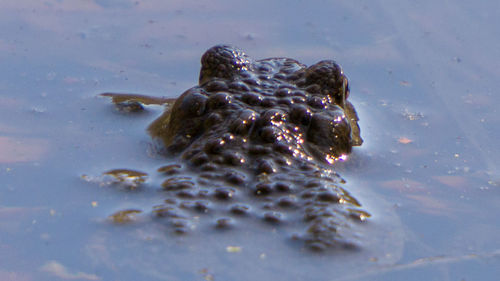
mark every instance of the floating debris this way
{"type": "Point", "coordinates": [412, 116]}
{"type": "Point", "coordinates": [124, 216]}
{"type": "Point", "coordinates": [206, 274]}
{"type": "Point", "coordinates": [404, 140]}
{"type": "Point", "coordinates": [233, 249]}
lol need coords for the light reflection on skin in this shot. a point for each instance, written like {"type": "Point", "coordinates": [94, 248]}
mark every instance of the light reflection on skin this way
{"type": "Point", "coordinates": [332, 159]}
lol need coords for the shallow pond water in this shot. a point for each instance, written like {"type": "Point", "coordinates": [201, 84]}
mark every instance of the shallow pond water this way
{"type": "Point", "coordinates": [423, 78]}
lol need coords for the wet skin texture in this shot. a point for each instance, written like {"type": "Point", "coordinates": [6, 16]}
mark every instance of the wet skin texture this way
{"type": "Point", "coordinates": [259, 139]}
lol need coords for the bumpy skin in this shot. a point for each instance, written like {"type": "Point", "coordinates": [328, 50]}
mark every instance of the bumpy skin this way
{"type": "Point", "coordinates": [259, 138]}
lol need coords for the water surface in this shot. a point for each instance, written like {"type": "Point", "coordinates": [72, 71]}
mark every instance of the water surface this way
{"type": "Point", "coordinates": [423, 76]}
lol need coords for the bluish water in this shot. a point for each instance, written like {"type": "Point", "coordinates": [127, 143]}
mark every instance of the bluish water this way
{"type": "Point", "coordinates": [423, 76]}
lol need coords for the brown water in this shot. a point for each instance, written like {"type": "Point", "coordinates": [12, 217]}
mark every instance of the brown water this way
{"type": "Point", "coordinates": [423, 77]}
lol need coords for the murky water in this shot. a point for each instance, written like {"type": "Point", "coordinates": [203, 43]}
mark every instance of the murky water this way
{"type": "Point", "coordinates": [424, 79]}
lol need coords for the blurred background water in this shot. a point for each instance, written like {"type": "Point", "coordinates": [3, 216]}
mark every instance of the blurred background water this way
{"type": "Point", "coordinates": [424, 78]}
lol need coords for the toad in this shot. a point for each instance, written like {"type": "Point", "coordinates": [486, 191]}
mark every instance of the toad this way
{"type": "Point", "coordinates": [259, 139]}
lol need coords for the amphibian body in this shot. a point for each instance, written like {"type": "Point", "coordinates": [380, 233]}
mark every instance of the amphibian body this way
{"type": "Point", "coordinates": [259, 139]}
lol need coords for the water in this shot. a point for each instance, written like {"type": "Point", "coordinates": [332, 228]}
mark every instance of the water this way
{"type": "Point", "coordinates": [423, 78]}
